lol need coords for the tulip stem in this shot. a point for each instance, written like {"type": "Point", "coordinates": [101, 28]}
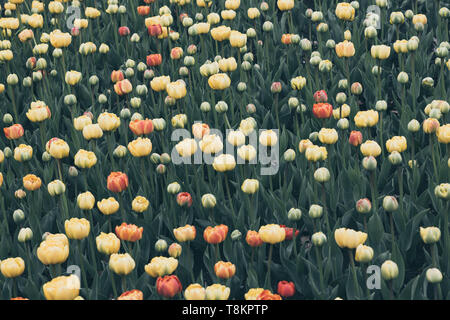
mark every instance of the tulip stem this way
{"type": "Point", "coordinates": [230, 198]}
{"type": "Point", "coordinates": [373, 188]}
{"type": "Point", "coordinates": [124, 283]}
{"type": "Point", "coordinates": [216, 247]}
{"type": "Point", "coordinates": [355, 279]}
{"type": "Point", "coordinates": [325, 211]}
{"type": "Point", "coordinates": [113, 283]}
{"type": "Point", "coordinates": [391, 220]}
{"type": "Point", "coordinates": [81, 262]}
{"type": "Point", "coordinates": [269, 262]}
{"type": "Point", "coordinates": [400, 187]}
{"type": "Point", "coordinates": [433, 158]}
{"type": "Point", "coordinates": [319, 263]}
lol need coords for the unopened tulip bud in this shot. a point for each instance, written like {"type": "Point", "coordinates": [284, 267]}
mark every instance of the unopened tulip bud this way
{"type": "Point", "coordinates": [125, 113]}
{"type": "Point", "coordinates": [369, 163]}
{"type": "Point", "coordinates": [208, 201]}
{"type": "Point", "coordinates": [343, 123]}
{"type": "Point", "coordinates": [20, 194]}
{"type": "Point", "coordinates": [315, 211]}
{"type": "Point", "coordinates": [12, 79]}
{"type": "Point", "coordinates": [161, 245]}
{"type": "Point", "coordinates": [289, 155]}
{"type": "Point", "coordinates": [363, 206]}
{"type": "Point", "coordinates": [428, 82]}
{"type": "Point", "coordinates": [313, 136]}
{"type": "Point", "coordinates": [434, 275]}
{"type": "Point", "coordinates": [70, 100]}
{"type": "Point", "coordinates": [305, 44]}
{"type": "Point", "coordinates": [8, 152]}
{"type": "Point", "coordinates": [376, 70]}
{"type": "Point", "coordinates": [73, 172]}
{"type": "Point", "coordinates": [390, 204]}
{"type": "Point", "coordinates": [136, 116]}
{"type": "Point", "coordinates": [293, 102]}
{"type": "Point", "coordinates": [403, 77]}
{"type": "Point", "coordinates": [363, 254]}
{"type": "Point", "coordinates": [267, 26]}
{"type": "Point", "coordinates": [221, 107]}
{"type": "Point", "coordinates": [25, 234]}
{"type": "Point", "coordinates": [318, 239]}
{"type": "Point", "coordinates": [173, 188]}
{"type": "Point", "coordinates": [155, 158]}
{"type": "Point", "coordinates": [294, 214]}
{"type": "Point", "coordinates": [18, 216]}
{"type": "Point", "coordinates": [343, 84]}
{"type": "Point", "coordinates": [175, 250]}
{"type": "Point", "coordinates": [205, 106]}
{"type": "Point", "coordinates": [389, 270]}
{"type": "Point", "coordinates": [242, 86]}
{"type": "Point", "coordinates": [120, 151]}
{"type": "Point", "coordinates": [46, 156]}
{"type": "Point", "coordinates": [7, 118]}
{"type": "Point", "coordinates": [356, 88]}
{"type": "Point", "coordinates": [236, 235]}
{"type": "Point", "coordinates": [250, 108]}
{"type": "Point", "coordinates": [395, 158]}
{"type": "Point", "coordinates": [381, 105]}
{"type": "Point", "coordinates": [102, 99]}
{"type": "Point", "coordinates": [322, 175]}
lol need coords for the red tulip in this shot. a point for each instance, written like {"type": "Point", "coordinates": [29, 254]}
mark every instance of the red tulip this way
{"type": "Point", "coordinates": [154, 60]}
{"type": "Point", "coordinates": [168, 286]}
{"type": "Point", "coordinates": [355, 138]}
{"type": "Point", "coordinates": [75, 31]}
{"type": "Point", "coordinates": [286, 289]}
{"type": "Point", "coordinates": [13, 132]}
{"type": "Point", "coordinates": [184, 199]}
{"type": "Point", "coordinates": [124, 31]}
{"type": "Point", "coordinates": [322, 110]}
{"type": "Point", "coordinates": [289, 232]}
{"type": "Point", "coordinates": [154, 30]}
{"type": "Point", "coordinates": [320, 96]}
{"type": "Point", "coordinates": [117, 181]}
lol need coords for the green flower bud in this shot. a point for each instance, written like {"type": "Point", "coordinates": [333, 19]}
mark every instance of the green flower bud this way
{"type": "Point", "coordinates": [12, 79]}
{"type": "Point", "coordinates": [221, 107]}
{"type": "Point", "coordinates": [242, 86]}
{"type": "Point", "coordinates": [313, 136]}
{"type": "Point", "coordinates": [428, 82]}
{"type": "Point", "coordinates": [46, 157]}
{"type": "Point", "coordinates": [395, 158]}
{"type": "Point", "coordinates": [389, 270]}
{"type": "Point", "coordinates": [70, 100]}
{"type": "Point", "coordinates": [305, 44]}
{"type": "Point", "coordinates": [135, 102]}
{"type": "Point", "coordinates": [236, 235]}
{"type": "Point", "coordinates": [161, 245]}
{"type": "Point", "coordinates": [120, 151]}
{"type": "Point", "coordinates": [343, 84]}
{"type": "Point", "coordinates": [293, 102]}
{"type": "Point", "coordinates": [318, 239]}
{"type": "Point", "coordinates": [343, 124]}
{"type": "Point", "coordinates": [27, 82]}
{"type": "Point", "coordinates": [173, 188]}
{"type": "Point", "coordinates": [205, 106]}
{"type": "Point", "coordinates": [8, 152]}
{"type": "Point", "coordinates": [18, 216]}
{"type": "Point", "coordinates": [165, 158]}
{"type": "Point", "coordinates": [155, 158]}
{"type": "Point", "coordinates": [102, 99]}
{"type": "Point", "coordinates": [322, 175]}
{"type": "Point", "coordinates": [159, 124]}
{"type": "Point", "coordinates": [25, 234]}
{"type": "Point", "coordinates": [376, 70]}
{"type": "Point", "coordinates": [289, 155]}
{"type": "Point", "coordinates": [208, 201]}
{"type": "Point", "coordinates": [137, 116]}
{"type": "Point", "coordinates": [141, 67]}
{"type": "Point", "coordinates": [267, 26]}
{"type": "Point", "coordinates": [73, 172]}
{"type": "Point", "coordinates": [7, 118]}
{"type": "Point", "coordinates": [315, 211]}
{"type": "Point", "coordinates": [413, 125]}
{"type": "Point", "coordinates": [433, 275]}
{"type": "Point", "coordinates": [369, 163]}
{"type": "Point", "coordinates": [125, 113]}
{"type": "Point", "coordinates": [294, 214]}
{"type": "Point", "coordinates": [161, 169]}
{"type": "Point", "coordinates": [246, 66]}
{"type": "Point", "coordinates": [390, 204]}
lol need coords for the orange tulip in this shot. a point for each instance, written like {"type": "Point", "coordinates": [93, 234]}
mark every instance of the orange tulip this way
{"type": "Point", "coordinates": [129, 232]}
{"type": "Point", "coordinates": [224, 270]}
{"type": "Point", "coordinates": [132, 295]}
{"type": "Point", "coordinates": [253, 239]}
{"type": "Point", "coordinates": [116, 75]}
{"type": "Point", "coordinates": [117, 181]}
{"type": "Point", "coordinates": [31, 182]}
{"type": "Point", "coordinates": [267, 295]}
{"type": "Point", "coordinates": [143, 10]}
{"type": "Point", "coordinates": [154, 59]}
{"type": "Point", "coordinates": [217, 234]}
{"type": "Point", "coordinates": [140, 127]}
{"type": "Point", "coordinates": [13, 132]}
{"type": "Point", "coordinates": [123, 87]}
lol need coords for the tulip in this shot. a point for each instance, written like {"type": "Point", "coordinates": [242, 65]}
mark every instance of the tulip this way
{"type": "Point", "coordinates": [253, 239]}
{"type": "Point", "coordinates": [56, 187]}
{"type": "Point", "coordinates": [186, 233]}
{"type": "Point", "coordinates": [140, 147]}
{"type": "Point", "coordinates": [363, 205]}
{"type": "Point", "coordinates": [363, 254]}
{"type": "Point", "coordinates": [349, 238]}
{"type": "Point", "coordinates": [177, 89]}
{"type": "Point", "coordinates": [272, 233]}
{"type": "Point", "coordinates": [267, 295]}
{"type": "Point", "coordinates": [129, 232]}
{"type": "Point", "coordinates": [77, 228]}
{"type": "Point", "coordinates": [253, 293]}
{"type": "Point", "coordinates": [154, 60]}
{"type": "Point", "coordinates": [107, 243]}
{"type": "Point", "coordinates": [38, 112]}
{"type": "Point", "coordinates": [62, 288]}
{"type": "Point", "coordinates": [380, 52]}
{"type": "Point", "coordinates": [224, 270]}
{"type": "Point", "coordinates": [355, 138]}
{"type": "Point", "coordinates": [168, 286]}
{"type": "Point", "coordinates": [219, 81]}
{"type": "Point", "coordinates": [54, 250]}
{"type": "Point", "coordinates": [224, 162]}
{"type": "Point", "coordinates": [92, 131]}
{"type": "Point", "coordinates": [132, 295]}
{"type": "Point", "coordinates": [370, 148]}
{"type": "Point", "coordinates": [322, 110]}
{"type": "Point", "coordinates": [31, 182]}
{"type": "Point", "coordinates": [161, 266]}
{"type": "Point", "coordinates": [430, 235]}
{"type": "Point", "coordinates": [268, 138]}
{"type": "Point", "coordinates": [318, 239]}
{"type": "Point", "coordinates": [184, 199]}
{"type": "Point", "coordinates": [345, 49]}
{"type": "Point", "coordinates": [389, 270]}
{"type": "Point", "coordinates": [215, 235]}
{"type": "Point", "coordinates": [217, 292]}
{"type": "Point", "coordinates": [123, 87]}
{"type": "Point", "coordinates": [25, 234]}
{"type": "Point", "coordinates": [195, 292]}
{"type": "Point", "coordinates": [60, 39]}
{"type": "Point", "coordinates": [139, 204]}
{"type": "Point", "coordinates": [220, 33]}
{"type": "Point", "coordinates": [328, 136]}
{"type": "Point", "coordinates": [85, 159]}
{"type": "Point", "coordinates": [13, 132]}
{"type": "Point", "coordinates": [344, 11]}
{"type": "Point", "coordinates": [108, 121]}
{"type": "Point", "coordinates": [121, 264]}
{"type": "Point", "coordinates": [86, 201]}
{"type": "Point", "coordinates": [434, 275]}
{"type": "Point", "coordinates": [286, 289]}
{"type": "Point", "coordinates": [174, 250]}
{"type": "Point", "coordinates": [443, 133]}
{"type": "Point", "coordinates": [108, 206]}
{"type": "Point", "coordinates": [117, 182]}
{"type": "Point", "coordinates": [159, 83]}
{"type": "Point", "coordinates": [12, 267]}
{"type": "Point", "coordinates": [316, 153]}
{"type": "Point", "coordinates": [397, 143]}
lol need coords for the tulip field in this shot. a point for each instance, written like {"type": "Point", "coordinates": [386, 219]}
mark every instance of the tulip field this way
{"type": "Point", "coordinates": [224, 150]}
